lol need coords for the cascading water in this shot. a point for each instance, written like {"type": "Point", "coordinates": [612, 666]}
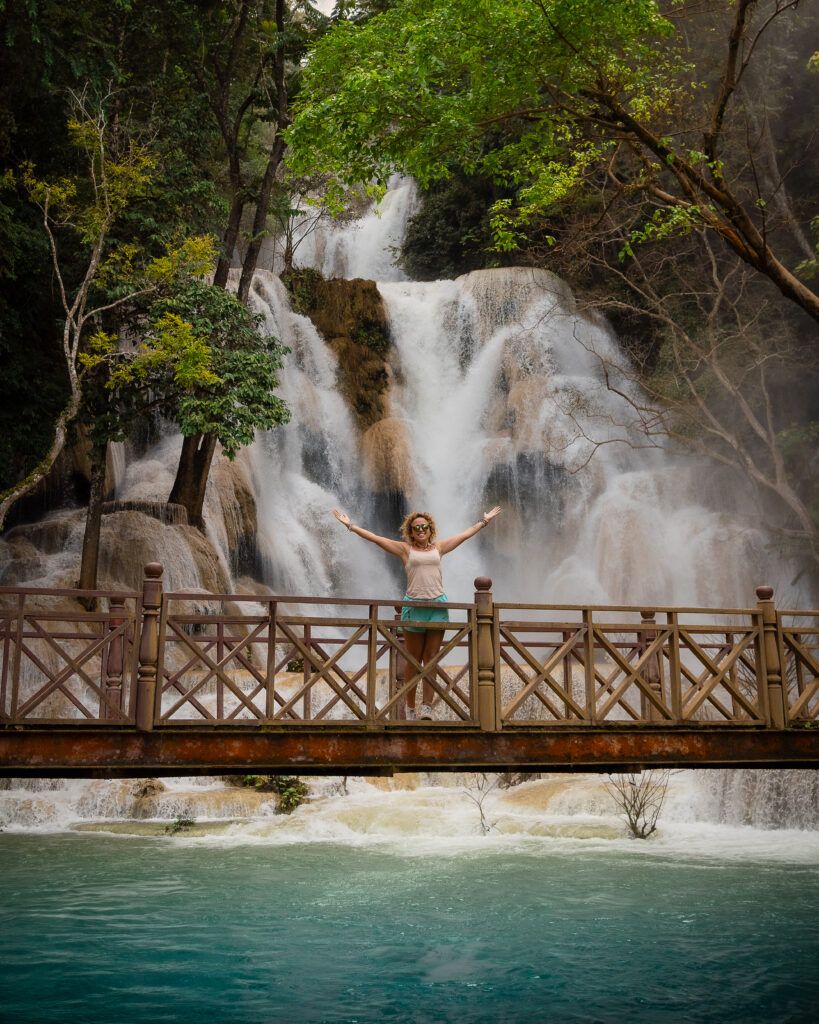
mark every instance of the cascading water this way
{"type": "Point", "coordinates": [364, 247]}
{"type": "Point", "coordinates": [500, 388]}
{"type": "Point", "coordinates": [497, 395]}
{"type": "Point", "coordinates": [305, 469]}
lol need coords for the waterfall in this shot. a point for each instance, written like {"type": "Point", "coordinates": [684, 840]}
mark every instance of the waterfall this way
{"type": "Point", "coordinates": [497, 387]}
{"type": "Point", "coordinates": [308, 467]}
{"type": "Point", "coordinates": [361, 247]}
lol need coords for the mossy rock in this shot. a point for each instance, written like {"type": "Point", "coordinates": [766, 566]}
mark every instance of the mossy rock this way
{"type": "Point", "coordinates": [350, 315]}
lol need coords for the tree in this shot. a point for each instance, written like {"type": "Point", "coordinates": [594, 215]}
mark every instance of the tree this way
{"type": "Point", "coordinates": [250, 51]}
{"type": "Point", "coordinates": [549, 95]}
{"type": "Point", "coordinates": [640, 797]}
{"type": "Point", "coordinates": [135, 52]}
{"type": "Point", "coordinates": [479, 788]}
{"type": "Point", "coordinates": [202, 362]}
{"type": "Point", "coordinates": [237, 400]}
{"type": "Point", "coordinates": [116, 174]}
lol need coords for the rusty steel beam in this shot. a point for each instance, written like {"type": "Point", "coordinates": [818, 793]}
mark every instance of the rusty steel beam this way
{"type": "Point", "coordinates": [120, 753]}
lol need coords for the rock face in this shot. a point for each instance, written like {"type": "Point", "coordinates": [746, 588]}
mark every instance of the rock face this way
{"type": "Point", "coordinates": [387, 457]}
{"type": "Point", "coordinates": [68, 481]}
{"type": "Point", "coordinates": [233, 490]}
{"type": "Point", "coordinates": [351, 317]}
{"type": "Point", "coordinates": [130, 540]}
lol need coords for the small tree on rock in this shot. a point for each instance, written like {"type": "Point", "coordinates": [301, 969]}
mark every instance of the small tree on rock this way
{"type": "Point", "coordinates": [477, 791]}
{"type": "Point", "coordinates": [640, 797]}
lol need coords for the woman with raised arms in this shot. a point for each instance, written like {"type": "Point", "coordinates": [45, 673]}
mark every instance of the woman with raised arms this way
{"type": "Point", "coordinates": [421, 555]}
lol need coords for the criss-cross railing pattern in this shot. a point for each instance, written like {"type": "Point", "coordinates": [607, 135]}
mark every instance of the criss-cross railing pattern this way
{"type": "Point", "coordinates": [574, 665]}
{"type": "Point", "coordinates": [158, 659]}
{"type": "Point", "coordinates": [62, 661]}
{"type": "Point", "coordinates": [799, 632]}
{"type": "Point", "coordinates": [242, 660]}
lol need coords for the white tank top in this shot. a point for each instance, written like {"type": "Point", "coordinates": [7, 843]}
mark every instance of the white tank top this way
{"type": "Point", "coordinates": [424, 580]}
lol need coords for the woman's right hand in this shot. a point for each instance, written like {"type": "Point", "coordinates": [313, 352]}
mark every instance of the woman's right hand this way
{"type": "Point", "coordinates": [342, 517]}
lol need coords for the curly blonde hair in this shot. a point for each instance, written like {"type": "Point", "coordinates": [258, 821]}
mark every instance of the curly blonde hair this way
{"type": "Point", "coordinates": [406, 533]}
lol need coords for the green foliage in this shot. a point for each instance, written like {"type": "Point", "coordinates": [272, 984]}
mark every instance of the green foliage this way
{"type": "Point", "coordinates": [488, 87]}
{"type": "Point", "coordinates": [664, 223]}
{"type": "Point", "coordinates": [201, 361]}
{"type": "Point", "coordinates": [34, 388]}
{"type": "Point", "coordinates": [373, 335]}
{"type": "Point", "coordinates": [180, 824]}
{"type": "Point", "coordinates": [809, 267]}
{"type": "Point", "coordinates": [138, 58]}
{"type": "Point", "coordinates": [451, 233]}
{"type": "Point", "coordinates": [91, 201]}
{"type": "Point", "coordinates": [290, 789]}
{"type": "Point", "coordinates": [302, 285]}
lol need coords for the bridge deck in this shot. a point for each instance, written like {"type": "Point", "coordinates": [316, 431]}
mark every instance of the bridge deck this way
{"type": "Point", "coordinates": [92, 752]}
{"type": "Point", "coordinates": [155, 683]}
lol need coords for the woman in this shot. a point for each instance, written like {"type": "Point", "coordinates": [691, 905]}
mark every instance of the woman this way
{"type": "Point", "coordinates": [421, 555]}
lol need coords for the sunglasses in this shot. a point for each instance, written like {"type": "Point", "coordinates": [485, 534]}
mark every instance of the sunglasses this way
{"type": "Point", "coordinates": [421, 529]}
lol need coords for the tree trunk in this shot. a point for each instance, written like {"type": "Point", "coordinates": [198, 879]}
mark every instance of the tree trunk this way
{"type": "Point", "coordinates": [11, 497]}
{"type": "Point", "coordinates": [260, 218]}
{"type": "Point", "coordinates": [231, 236]}
{"type": "Point", "coordinates": [277, 152]}
{"type": "Point", "coordinates": [192, 476]}
{"type": "Point", "coordinates": [93, 523]}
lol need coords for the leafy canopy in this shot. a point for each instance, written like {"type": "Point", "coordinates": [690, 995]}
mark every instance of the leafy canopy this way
{"type": "Point", "coordinates": [201, 361]}
{"type": "Point", "coordinates": [502, 88]}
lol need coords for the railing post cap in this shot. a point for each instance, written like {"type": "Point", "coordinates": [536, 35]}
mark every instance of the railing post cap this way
{"type": "Point", "coordinates": [647, 615]}
{"type": "Point", "coordinates": [153, 570]}
{"type": "Point", "coordinates": [483, 583]}
{"type": "Point", "coordinates": [764, 593]}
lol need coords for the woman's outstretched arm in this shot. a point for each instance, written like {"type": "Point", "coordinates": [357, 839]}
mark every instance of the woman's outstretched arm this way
{"type": "Point", "coordinates": [394, 547]}
{"type": "Point", "coordinates": [445, 546]}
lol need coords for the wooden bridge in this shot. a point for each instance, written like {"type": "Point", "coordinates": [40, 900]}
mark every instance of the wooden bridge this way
{"type": "Point", "coordinates": [159, 683]}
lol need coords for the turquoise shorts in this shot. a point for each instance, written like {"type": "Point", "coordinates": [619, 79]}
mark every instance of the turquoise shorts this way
{"type": "Point", "coordinates": [424, 614]}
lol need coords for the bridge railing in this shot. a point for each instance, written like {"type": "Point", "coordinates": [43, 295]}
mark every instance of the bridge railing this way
{"type": "Point", "coordinates": [61, 664]}
{"type": "Point", "coordinates": [798, 636]}
{"type": "Point", "coordinates": [156, 659]}
{"type": "Point", "coordinates": [574, 665]}
{"type": "Point", "coordinates": [302, 660]}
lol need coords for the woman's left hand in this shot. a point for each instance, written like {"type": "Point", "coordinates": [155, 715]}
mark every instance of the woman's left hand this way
{"type": "Point", "coordinates": [490, 515]}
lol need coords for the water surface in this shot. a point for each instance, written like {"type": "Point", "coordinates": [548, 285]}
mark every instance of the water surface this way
{"type": "Point", "coordinates": [100, 928]}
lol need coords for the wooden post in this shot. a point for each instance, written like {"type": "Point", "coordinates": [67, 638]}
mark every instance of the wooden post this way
{"type": "Point", "coordinates": [674, 668]}
{"type": "Point", "coordinates": [484, 612]}
{"type": "Point", "coordinates": [651, 670]}
{"type": "Point", "coordinates": [372, 655]}
{"type": "Point", "coordinates": [307, 671]}
{"type": "Point", "coordinates": [149, 646]}
{"type": "Point", "coordinates": [396, 669]}
{"type": "Point", "coordinates": [220, 653]}
{"type": "Point", "coordinates": [270, 668]}
{"type": "Point", "coordinates": [113, 662]}
{"type": "Point", "coordinates": [773, 667]}
{"type": "Point", "coordinates": [588, 666]}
